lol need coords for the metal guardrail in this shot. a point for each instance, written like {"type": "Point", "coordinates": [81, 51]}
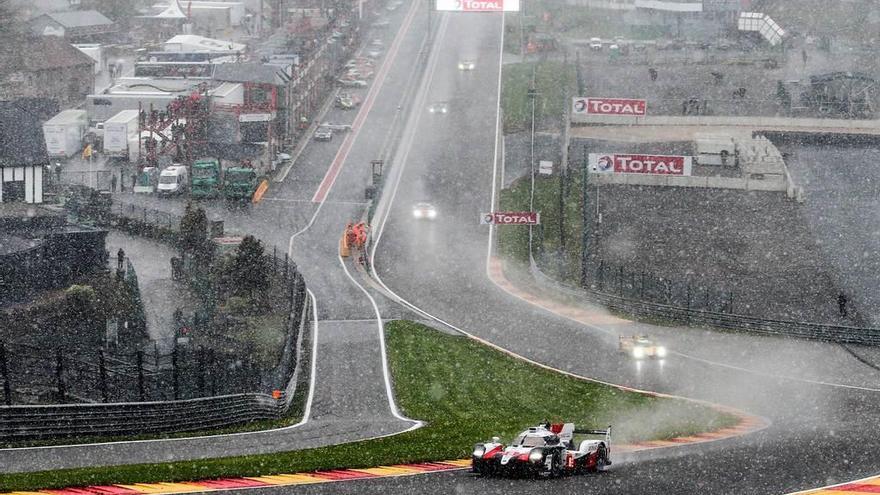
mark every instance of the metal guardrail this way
{"type": "Point", "coordinates": [43, 422]}
{"type": "Point", "coordinates": [697, 317]}
{"type": "Point", "coordinates": [19, 423]}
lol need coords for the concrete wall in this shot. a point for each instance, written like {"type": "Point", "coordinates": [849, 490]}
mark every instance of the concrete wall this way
{"type": "Point", "coordinates": [818, 125]}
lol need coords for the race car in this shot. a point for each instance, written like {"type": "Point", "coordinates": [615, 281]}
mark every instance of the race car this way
{"type": "Point", "coordinates": [466, 65]}
{"type": "Point", "coordinates": [424, 210]}
{"type": "Point", "coordinates": [640, 347]}
{"type": "Point", "coordinates": [546, 449]}
{"type": "Point", "coordinates": [438, 107]}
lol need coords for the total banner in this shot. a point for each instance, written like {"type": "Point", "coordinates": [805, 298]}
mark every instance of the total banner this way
{"type": "Point", "coordinates": [623, 107]}
{"type": "Point", "coordinates": [510, 218]}
{"type": "Point", "coordinates": [478, 5]}
{"type": "Point", "coordinates": [616, 163]}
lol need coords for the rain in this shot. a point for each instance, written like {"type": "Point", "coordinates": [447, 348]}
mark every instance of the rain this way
{"type": "Point", "coordinates": [439, 246]}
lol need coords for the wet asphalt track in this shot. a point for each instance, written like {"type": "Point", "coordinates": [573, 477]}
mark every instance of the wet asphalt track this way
{"type": "Point", "coordinates": [820, 433]}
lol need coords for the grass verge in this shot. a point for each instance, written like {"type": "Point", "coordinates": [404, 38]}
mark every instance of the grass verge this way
{"type": "Point", "coordinates": [466, 392]}
{"type": "Point", "coordinates": [513, 241]}
{"type": "Point", "coordinates": [554, 82]}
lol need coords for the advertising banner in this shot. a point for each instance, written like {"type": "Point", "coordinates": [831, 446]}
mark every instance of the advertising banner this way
{"type": "Point", "coordinates": [510, 218]}
{"type": "Point", "coordinates": [611, 163]}
{"type": "Point", "coordinates": [626, 107]}
{"type": "Point", "coordinates": [478, 5]}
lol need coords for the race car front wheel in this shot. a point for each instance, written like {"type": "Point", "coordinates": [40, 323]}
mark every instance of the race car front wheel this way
{"type": "Point", "coordinates": [556, 466]}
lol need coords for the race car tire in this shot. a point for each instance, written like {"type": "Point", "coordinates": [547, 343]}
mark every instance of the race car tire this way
{"type": "Point", "coordinates": [601, 459]}
{"type": "Point", "coordinates": [556, 466]}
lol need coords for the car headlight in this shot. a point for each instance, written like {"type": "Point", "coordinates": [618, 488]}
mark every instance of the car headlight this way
{"type": "Point", "coordinates": [661, 351]}
{"type": "Point", "coordinates": [432, 213]}
{"type": "Point", "coordinates": [443, 110]}
{"type": "Point", "coordinates": [638, 352]}
{"type": "Point", "coordinates": [417, 213]}
{"type": "Point", "coordinates": [479, 450]}
{"type": "Point", "coordinates": [536, 455]}
{"type": "Point", "coordinates": [461, 66]}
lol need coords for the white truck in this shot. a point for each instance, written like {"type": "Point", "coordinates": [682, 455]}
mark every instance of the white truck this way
{"type": "Point", "coordinates": [118, 131]}
{"type": "Point", "coordinates": [64, 133]}
{"type": "Point", "coordinates": [173, 180]}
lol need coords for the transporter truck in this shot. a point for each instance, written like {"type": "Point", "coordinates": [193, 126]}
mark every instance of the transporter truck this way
{"type": "Point", "coordinates": [211, 181]}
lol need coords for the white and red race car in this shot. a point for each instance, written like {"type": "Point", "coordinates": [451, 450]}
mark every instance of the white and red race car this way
{"type": "Point", "coordinates": [546, 449]}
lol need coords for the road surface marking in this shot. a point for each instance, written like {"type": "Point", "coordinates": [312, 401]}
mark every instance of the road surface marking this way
{"type": "Point", "coordinates": [386, 373]}
{"type": "Point", "coordinates": [342, 154]}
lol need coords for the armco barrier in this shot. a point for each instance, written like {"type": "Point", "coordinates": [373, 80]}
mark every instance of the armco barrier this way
{"type": "Point", "coordinates": [83, 420]}
{"type": "Point", "coordinates": [42, 422]}
{"type": "Point", "coordinates": [695, 317]}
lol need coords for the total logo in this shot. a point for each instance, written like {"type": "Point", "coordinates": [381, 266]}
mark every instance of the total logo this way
{"type": "Point", "coordinates": [610, 106]}
{"type": "Point", "coordinates": [510, 218]}
{"type": "Point", "coordinates": [478, 5]}
{"type": "Point", "coordinates": [605, 163]}
{"type": "Point", "coordinates": [640, 164]}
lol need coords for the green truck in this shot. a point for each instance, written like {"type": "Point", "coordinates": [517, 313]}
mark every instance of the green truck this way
{"type": "Point", "coordinates": [209, 180]}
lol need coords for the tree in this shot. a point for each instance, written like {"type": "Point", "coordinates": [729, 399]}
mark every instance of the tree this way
{"type": "Point", "coordinates": [194, 230]}
{"type": "Point", "coordinates": [119, 11]}
{"type": "Point", "coordinates": [248, 272]}
{"type": "Point", "coordinates": [10, 39]}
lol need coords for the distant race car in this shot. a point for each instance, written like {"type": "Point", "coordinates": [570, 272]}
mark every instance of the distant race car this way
{"type": "Point", "coordinates": [466, 65]}
{"type": "Point", "coordinates": [439, 107]}
{"type": "Point", "coordinates": [546, 449]}
{"type": "Point", "coordinates": [424, 210]}
{"type": "Point", "coordinates": [640, 347]}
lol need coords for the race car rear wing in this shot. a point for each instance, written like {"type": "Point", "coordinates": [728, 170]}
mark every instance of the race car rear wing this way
{"type": "Point", "coordinates": [606, 432]}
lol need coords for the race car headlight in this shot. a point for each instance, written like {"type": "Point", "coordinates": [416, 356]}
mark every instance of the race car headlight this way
{"type": "Point", "coordinates": [479, 450]}
{"type": "Point", "coordinates": [661, 351]}
{"type": "Point", "coordinates": [638, 352]}
{"type": "Point", "coordinates": [432, 213]}
{"type": "Point", "coordinates": [461, 66]}
{"type": "Point", "coordinates": [417, 213]}
{"type": "Point", "coordinates": [536, 455]}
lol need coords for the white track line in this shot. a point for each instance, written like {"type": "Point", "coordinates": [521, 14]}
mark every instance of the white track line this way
{"type": "Point", "coordinates": [342, 155]}
{"type": "Point", "coordinates": [306, 413]}
{"type": "Point", "coordinates": [389, 390]}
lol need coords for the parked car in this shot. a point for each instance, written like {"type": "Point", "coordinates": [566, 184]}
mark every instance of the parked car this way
{"type": "Point", "coordinates": [595, 44]}
{"type": "Point", "coordinates": [323, 134]}
{"type": "Point", "coordinates": [352, 83]}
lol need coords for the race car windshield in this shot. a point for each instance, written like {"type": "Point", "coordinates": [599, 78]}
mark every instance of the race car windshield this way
{"type": "Point", "coordinates": [529, 441]}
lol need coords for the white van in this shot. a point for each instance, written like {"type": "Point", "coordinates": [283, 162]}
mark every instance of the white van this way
{"type": "Point", "coordinates": [173, 180]}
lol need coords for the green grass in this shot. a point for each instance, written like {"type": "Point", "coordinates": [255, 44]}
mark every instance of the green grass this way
{"type": "Point", "coordinates": [464, 391]}
{"type": "Point", "coordinates": [555, 83]}
{"type": "Point", "coordinates": [513, 240]}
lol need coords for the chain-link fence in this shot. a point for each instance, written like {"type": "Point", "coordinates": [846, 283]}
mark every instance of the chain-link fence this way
{"type": "Point", "coordinates": [53, 376]}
